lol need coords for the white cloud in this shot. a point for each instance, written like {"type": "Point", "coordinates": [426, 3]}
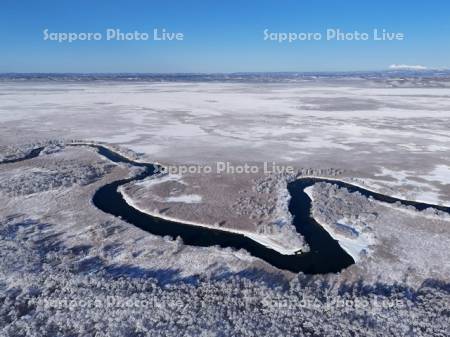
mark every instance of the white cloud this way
{"type": "Point", "coordinates": [407, 67]}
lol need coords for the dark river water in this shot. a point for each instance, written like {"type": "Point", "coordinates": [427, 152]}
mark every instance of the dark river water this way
{"type": "Point", "coordinates": [325, 255]}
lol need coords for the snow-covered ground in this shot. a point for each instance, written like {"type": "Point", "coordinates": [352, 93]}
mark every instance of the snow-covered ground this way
{"type": "Point", "coordinates": [388, 242]}
{"type": "Point", "coordinates": [227, 202]}
{"type": "Point", "coordinates": [367, 128]}
{"type": "Point", "coordinates": [387, 135]}
{"type": "Point", "coordinates": [355, 242]}
{"type": "Point", "coordinates": [56, 190]}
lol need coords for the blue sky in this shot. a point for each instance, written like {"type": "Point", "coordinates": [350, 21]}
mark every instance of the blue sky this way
{"type": "Point", "coordinates": [221, 36]}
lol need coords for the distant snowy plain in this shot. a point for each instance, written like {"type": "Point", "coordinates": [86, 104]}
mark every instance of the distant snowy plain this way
{"type": "Point", "coordinates": [392, 137]}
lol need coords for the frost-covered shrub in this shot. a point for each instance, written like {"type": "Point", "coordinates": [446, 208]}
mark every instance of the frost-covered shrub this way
{"type": "Point", "coordinates": [349, 213]}
{"type": "Point", "coordinates": [42, 295]}
{"type": "Point", "coordinates": [34, 180]}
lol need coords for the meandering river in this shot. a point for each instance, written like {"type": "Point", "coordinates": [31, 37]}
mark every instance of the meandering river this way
{"type": "Point", "coordinates": [325, 255]}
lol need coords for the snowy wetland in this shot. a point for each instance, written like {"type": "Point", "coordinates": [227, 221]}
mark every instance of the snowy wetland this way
{"type": "Point", "coordinates": [96, 239]}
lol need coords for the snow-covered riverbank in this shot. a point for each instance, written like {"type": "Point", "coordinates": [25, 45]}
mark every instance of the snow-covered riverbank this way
{"type": "Point", "coordinates": [354, 246]}
{"type": "Point", "coordinates": [262, 239]}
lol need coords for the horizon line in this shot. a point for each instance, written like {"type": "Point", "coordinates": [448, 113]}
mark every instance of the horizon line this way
{"type": "Point", "coordinates": [227, 73]}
